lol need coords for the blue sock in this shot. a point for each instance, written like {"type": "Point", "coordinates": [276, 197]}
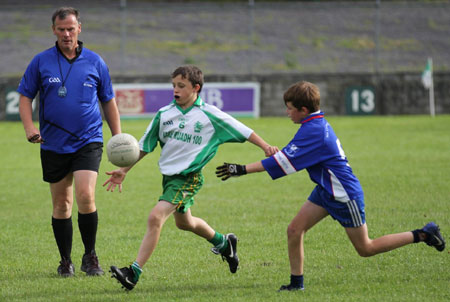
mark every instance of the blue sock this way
{"type": "Point", "coordinates": [297, 281]}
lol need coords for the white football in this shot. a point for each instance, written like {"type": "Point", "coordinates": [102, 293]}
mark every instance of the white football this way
{"type": "Point", "coordinates": [122, 150]}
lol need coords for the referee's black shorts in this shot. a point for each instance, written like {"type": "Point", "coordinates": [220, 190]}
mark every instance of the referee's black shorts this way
{"type": "Point", "coordinates": [56, 166]}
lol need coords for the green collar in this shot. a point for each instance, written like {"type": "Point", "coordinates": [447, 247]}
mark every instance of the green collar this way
{"type": "Point", "coordinates": [199, 102]}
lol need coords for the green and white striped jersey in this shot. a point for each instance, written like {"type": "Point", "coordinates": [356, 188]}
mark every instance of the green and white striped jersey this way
{"type": "Point", "coordinates": [190, 138]}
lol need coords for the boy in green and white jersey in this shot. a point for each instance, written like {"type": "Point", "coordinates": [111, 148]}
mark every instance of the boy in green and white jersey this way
{"type": "Point", "coordinates": [189, 132]}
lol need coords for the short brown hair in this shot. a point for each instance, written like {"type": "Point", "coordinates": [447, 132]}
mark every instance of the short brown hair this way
{"type": "Point", "coordinates": [192, 73]}
{"type": "Point", "coordinates": [65, 11]}
{"type": "Point", "coordinates": [303, 94]}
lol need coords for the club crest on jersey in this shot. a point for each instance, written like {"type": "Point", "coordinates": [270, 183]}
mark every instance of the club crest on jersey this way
{"type": "Point", "coordinates": [290, 150]}
{"type": "Point", "coordinates": [54, 80]}
{"type": "Point", "coordinates": [198, 127]}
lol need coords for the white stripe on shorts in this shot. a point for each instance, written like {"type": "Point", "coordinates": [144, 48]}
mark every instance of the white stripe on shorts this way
{"type": "Point", "coordinates": [354, 212]}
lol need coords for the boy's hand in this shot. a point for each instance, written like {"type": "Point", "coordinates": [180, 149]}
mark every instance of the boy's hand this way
{"type": "Point", "coordinates": [116, 179]}
{"type": "Point", "coordinates": [227, 170]}
{"type": "Point", "coordinates": [270, 150]}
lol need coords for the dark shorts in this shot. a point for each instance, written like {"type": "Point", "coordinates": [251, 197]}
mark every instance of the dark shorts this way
{"type": "Point", "coordinates": [350, 214]}
{"type": "Point", "coordinates": [56, 166]}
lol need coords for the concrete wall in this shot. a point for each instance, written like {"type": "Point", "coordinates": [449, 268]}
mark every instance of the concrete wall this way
{"type": "Point", "coordinates": [392, 94]}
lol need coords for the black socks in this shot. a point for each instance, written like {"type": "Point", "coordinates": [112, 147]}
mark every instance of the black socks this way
{"type": "Point", "coordinates": [416, 235]}
{"type": "Point", "coordinates": [87, 223]}
{"type": "Point", "coordinates": [297, 281]}
{"type": "Point", "coordinates": [63, 231]}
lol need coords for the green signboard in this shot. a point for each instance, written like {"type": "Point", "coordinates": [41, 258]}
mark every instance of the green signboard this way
{"type": "Point", "coordinates": [360, 100]}
{"type": "Point", "coordinates": [12, 105]}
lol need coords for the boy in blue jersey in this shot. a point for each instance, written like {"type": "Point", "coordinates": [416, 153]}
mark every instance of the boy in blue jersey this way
{"type": "Point", "coordinates": [70, 80]}
{"type": "Point", "coordinates": [338, 192]}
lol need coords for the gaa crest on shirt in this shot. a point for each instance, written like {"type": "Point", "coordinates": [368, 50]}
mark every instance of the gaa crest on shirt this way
{"type": "Point", "coordinates": [290, 150]}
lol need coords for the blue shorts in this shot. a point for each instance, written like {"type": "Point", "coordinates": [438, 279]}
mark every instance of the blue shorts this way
{"type": "Point", "coordinates": [349, 214]}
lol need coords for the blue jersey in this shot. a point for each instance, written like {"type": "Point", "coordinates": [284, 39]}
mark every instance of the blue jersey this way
{"type": "Point", "coordinates": [70, 122]}
{"type": "Point", "coordinates": [316, 148]}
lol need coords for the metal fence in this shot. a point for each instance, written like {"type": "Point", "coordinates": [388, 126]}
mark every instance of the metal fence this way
{"type": "Point", "coordinates": [242, 37]}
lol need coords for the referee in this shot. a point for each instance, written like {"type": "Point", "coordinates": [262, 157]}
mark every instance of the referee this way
{"type": "Point", "coordinates": [71, 80]}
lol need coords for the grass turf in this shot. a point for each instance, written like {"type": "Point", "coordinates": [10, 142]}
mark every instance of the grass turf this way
{"type": "Point", "coordinates": [402, 163]}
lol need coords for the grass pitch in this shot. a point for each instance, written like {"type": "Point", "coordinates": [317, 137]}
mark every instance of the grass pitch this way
{"type": "Point", "coordinates": [402, 162]}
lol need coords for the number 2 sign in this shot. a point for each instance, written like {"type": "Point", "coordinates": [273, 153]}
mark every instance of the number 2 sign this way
{"type": "Point", "coordinates": [12, 105]}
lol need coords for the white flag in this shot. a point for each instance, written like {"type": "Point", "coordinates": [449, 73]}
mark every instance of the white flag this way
{"type": "Point", "coordinates": [427, 74]}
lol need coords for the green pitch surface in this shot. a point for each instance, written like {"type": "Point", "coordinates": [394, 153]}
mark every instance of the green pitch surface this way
{"type": "Point", "coordinates": [403, 164]}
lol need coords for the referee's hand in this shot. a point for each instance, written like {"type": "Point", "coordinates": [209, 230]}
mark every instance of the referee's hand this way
{"type": "Point", "coordinates": [228, 170]}
{"type": "Point", "coordinates": [35, 139]}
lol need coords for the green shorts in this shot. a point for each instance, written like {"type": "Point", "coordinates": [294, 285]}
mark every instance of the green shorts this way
{"type": "Point", "coordinates": [181, 189]}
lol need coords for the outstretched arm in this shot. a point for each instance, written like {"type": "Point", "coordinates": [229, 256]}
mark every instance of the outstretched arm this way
{"type": "Point", "coordinates": [255, 167]}
{"type": "Point", "coordinates": [257, 140]}
{"type": "Point", "coordinates": [118, 176]}
{"type": "Point", "coordinates": [228, 170]}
